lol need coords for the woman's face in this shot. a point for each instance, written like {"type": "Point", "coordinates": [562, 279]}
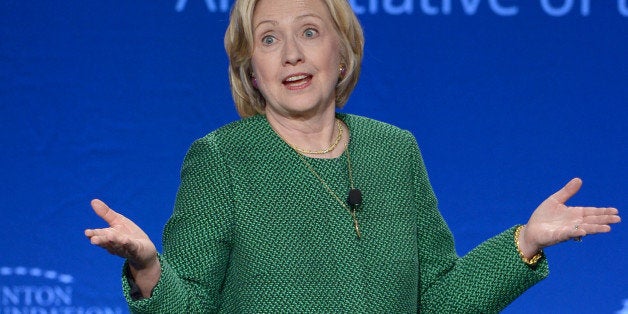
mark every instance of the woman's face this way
{"type": "Point", "coordinates": [296, 55]}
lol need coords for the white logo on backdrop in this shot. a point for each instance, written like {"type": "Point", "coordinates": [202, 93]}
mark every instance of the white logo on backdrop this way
{"type": "Point", "coordinates": [443, 7]}
{"type": "Point", "coordinates": [36, 290]}
{"type": "Point", "coordinates": [625, 309]}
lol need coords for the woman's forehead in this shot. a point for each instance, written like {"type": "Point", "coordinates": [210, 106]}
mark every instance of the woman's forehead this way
{"type": "Point", "coordinates": [276, 10]}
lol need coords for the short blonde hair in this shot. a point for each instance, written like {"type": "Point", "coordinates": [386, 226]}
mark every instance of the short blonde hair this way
{"type": "Point", "coordinates": [239, 46]}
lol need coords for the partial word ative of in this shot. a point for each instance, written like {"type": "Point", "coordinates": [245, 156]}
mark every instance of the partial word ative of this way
{"type": "Point", "coordinates": [556, 8]}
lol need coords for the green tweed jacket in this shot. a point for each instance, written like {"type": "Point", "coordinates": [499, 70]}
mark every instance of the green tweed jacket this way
{"type": "Point", "coordinates": [255, 231]}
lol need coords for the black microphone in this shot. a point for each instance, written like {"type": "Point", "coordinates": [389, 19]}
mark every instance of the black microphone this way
{"type": "Point", "coordinates": [355, 197]}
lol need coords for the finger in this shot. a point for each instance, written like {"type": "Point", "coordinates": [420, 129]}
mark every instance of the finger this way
{"type": "Point", "coordinates": [89, 233]}
{"type": "Point", "coordinates": [601, 219]}
{"type": "Point", "coordinates": [564, 194]}
{"type": "Point", "coordinates": [594, 228]}
{"type": "Point", "coordinates": [98, 231]}
{"type": "Point", "coordinates": [114, 242]}
{"type": "Point", "coordinates": [104, 211]}
{"type": "Point", "coordinates": [610, 211]}
{"type": "Point", "coordinates": [101, 236]}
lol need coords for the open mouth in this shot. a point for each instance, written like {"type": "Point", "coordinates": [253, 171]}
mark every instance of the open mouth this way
{"type": "Point", "coordinates": [297, 81]}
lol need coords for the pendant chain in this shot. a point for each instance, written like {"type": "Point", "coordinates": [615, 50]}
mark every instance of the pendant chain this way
{"type": "Point", "coordinates": [351, 211]}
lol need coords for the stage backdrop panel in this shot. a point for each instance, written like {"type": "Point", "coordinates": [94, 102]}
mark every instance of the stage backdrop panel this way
{"type": "Point", "coordinates": [508, 100]}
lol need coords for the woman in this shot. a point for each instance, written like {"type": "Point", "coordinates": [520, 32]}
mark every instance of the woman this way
{"type": "Point", "coordinates": [296, 208]}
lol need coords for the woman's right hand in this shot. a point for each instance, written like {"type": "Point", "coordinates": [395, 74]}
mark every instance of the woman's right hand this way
{"type": "Point", "coordinates": [125, 239]}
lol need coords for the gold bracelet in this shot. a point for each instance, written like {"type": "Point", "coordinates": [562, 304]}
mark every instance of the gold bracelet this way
{"type": "Point", "coordinates": [532, 261]}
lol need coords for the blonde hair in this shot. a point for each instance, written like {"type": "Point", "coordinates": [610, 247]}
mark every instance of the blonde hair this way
{"type": "Point", "coordinates": [239, 46]}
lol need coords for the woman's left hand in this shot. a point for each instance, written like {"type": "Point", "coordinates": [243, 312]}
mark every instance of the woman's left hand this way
{"type": "Point", "coordinates": [554, 222]}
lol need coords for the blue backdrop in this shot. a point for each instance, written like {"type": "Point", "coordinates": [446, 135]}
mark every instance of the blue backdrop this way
{"type": "Point", "coordinates": [508, 100]}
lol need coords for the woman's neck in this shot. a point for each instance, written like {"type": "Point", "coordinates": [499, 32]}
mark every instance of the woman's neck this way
{"type": "Point", "coordinates": [319, 136]}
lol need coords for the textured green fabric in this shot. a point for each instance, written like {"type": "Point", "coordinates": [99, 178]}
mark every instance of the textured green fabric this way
{"type": "Point", "coordinates": [254, 231]}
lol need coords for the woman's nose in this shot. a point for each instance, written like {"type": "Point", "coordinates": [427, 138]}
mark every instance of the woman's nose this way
{"type": "Point", "coordinates": [292, 52]}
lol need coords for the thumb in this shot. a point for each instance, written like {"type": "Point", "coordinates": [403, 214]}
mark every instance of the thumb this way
{"type": "Point", "coordinates": [570, 189]}
{"type": "Point", "coordinates": [103, 211]}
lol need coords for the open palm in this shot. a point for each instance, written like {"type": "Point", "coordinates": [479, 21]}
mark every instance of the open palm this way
{"type": "Point", "coordinates": [554, 222]}
{"type": "Point", "coordinates": [123, 237]}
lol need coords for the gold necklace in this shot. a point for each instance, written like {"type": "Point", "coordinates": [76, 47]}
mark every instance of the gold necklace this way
{"type": "Point", "coordinates": [322, 151]}
{"type": "Point", "coordinates": [355, 196]}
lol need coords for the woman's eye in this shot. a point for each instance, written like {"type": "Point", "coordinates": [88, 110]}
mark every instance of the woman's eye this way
{"type": "Point", "coordinates": [310, 32]}
{"type": "Point", "coordinates": [268, 40]}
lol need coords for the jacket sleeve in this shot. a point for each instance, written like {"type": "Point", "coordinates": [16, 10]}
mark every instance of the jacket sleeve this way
{"type": "Point", "coordinates": [196, 239]}
{"type": "Point", "coordinates": [485, 280]}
